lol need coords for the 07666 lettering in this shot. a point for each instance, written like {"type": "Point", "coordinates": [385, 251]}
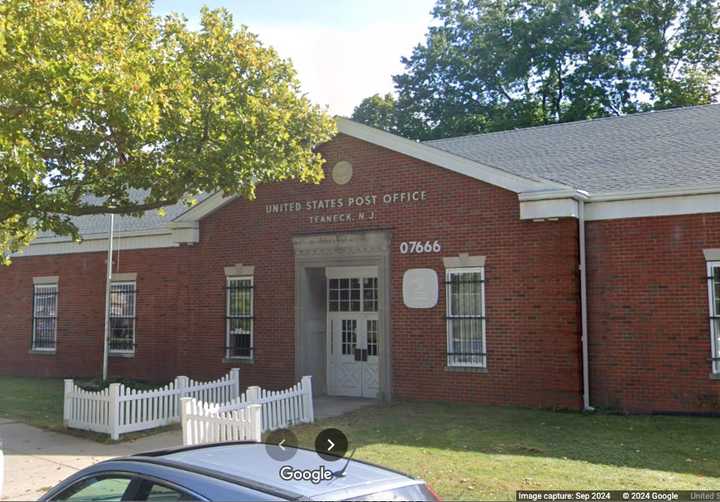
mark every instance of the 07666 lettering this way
{"type": "Point", "coordinates": [420, 247]}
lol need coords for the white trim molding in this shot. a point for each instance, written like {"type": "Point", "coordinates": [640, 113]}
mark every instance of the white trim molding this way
{"type": "Point", "coordinates": [205, 207]}
{"type": "Point", "coordinates": [124, 277]}
{"type": "Point", "coordinates": [240, 270]}
{"type": "Point", "coordinates": [49, 279]}
{"type": "Point", "coordinates": [637, 205]}
{"type": "Point", "coordinates": [464, 260]}
{"type": "Point", "coordinates": [712, 254]}
{"type": "Point", "coordinates": [547, 209]}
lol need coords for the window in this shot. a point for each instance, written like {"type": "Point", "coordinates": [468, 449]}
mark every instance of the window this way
{"type": "Point", "coordinates": [714, 295]}
{"type": "Point", "coordinates": [344, 295]}
{"type": "Point", "coordinates": [372, 337]}
{"type": "Point", "coordinates": [44, 328]}
{"type": "Point", "coordinates": [122, 317]}
{"type": "Point", "coordinates": [465, 289]}
{"type": "Point", "coordinates": [239, 318]}
{"type": "Point", "coordinates": [159, 493]}
{"type": "Point", "coordinates": [107, 488]}
{"type": "Point", "coordinates": [349, 336]}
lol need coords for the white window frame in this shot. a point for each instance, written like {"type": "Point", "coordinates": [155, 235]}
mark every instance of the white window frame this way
{"type": "Point", "coordinates": [36, 287]}
{"type": "Point", "coordinates": [134, 317]}
{"type": "Point", "coordinates": [449, 317]}
{"type": "Point", "coordinates": [714, 318]}
{"type": "Point", "coordinates": [251, 316]}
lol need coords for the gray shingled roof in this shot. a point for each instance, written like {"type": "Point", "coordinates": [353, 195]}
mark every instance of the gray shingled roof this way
{"type": "Point", "coordinates": [150, 220]}
{"type": "Point", "coordinates": [654, 150]}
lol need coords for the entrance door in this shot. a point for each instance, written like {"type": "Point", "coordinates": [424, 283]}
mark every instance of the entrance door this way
{"type": "Point", "coordinates": [353, 332]}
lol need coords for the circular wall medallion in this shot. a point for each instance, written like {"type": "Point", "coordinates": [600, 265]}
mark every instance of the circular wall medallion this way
{"type": "Point", "coordinates": [342, 172]}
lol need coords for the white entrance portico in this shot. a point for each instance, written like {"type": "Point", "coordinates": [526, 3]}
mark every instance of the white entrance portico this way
{"type": "Point", "coordinates": [342, 312]}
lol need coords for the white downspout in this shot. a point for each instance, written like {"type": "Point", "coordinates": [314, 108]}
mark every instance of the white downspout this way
{"type": "Point", "coordinates": [584, 308]}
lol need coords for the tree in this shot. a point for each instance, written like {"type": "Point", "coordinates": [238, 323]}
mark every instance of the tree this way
{"type": "Point", "coordinates": [490, 65]}
{"type": "Point", "coordinates": [378, 111]}
{"type": "Point", "coordinates": [98, 98]}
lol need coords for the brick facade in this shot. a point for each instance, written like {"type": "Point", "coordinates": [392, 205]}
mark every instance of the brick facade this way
{"type": "Point", "coordinates": [648, 313]}
{"type": "Point", "coordinates": [532, 290]}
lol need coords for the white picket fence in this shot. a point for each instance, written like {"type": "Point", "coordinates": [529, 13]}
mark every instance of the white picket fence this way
{"type": "Point", "coordinates": [203, 423]}
{"type": "Point", "coordinates": [247, 416]}
{"type": "Point", "coordinates": [119, 409]}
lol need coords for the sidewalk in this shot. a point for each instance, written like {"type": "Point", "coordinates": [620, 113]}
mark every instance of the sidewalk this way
{"type": "Point", "coordinates": [36, 459]}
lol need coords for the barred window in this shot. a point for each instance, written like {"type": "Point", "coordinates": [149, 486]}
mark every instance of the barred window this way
{"type": "Point", "coordinates": [44, 328]}
{"type": "Point", "coordinates": [239, 318]}
{"type": "Point", "coordinates": [123, 296]}
{"type": "Point", "coordinates": [465, 290]}
{"type": "Point", "coordinates": [714, 294]}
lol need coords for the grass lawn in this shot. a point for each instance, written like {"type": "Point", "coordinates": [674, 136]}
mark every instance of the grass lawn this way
{"type": "Point", "coordinates": [478, 453]}
{"type": "Point", "coordinates": [35, 401]}
{"type": "Point", "coordinates": [39, 402]}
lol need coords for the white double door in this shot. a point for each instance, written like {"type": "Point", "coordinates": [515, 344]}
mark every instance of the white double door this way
{"type": "Point", "coordinates": [353, 348]}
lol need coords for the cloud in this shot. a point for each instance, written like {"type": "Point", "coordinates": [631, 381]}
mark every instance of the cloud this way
{"type": "Point", "coordinates": [340, 67]}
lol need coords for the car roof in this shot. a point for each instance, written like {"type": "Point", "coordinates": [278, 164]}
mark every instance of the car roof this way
{"type": "Point", "coordinates": [250, 464]}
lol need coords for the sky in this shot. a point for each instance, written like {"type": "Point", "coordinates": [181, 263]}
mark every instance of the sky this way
{"type": "Point", "coordinates": [343, 50]}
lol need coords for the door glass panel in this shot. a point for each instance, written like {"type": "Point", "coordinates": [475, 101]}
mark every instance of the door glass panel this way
{"type": "Point", "coordinates": [344, 295]}
{"type": "Point", "coordinates": [355, 295]}
{"type": "Point", "coordinates": [333, 295]}
{"type": "Point", "coordinates": [370, 294]}
{"type": "Point", "coordinates": [372, 337]}
{"type": "Point", "coordinates": [349, 336]}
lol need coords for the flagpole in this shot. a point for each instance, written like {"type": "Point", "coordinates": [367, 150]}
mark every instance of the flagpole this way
{"type": "Point", "coordinates": [108, 285]}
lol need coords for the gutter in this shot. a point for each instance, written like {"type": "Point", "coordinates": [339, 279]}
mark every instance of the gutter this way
{"type": "Point", "coordinates": [584, 306]}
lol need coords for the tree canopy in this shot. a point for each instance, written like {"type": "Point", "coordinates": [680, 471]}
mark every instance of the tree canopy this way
{"type": "Point", "coordinates": [378, 111]}
{"type": "Point", "coordinates": [489, 65]}
{"type": "Point", "coordinates": [98, 98]}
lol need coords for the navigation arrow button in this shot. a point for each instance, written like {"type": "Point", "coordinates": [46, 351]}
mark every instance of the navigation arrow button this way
{"type": "Point", "coordinates": [331, 445]}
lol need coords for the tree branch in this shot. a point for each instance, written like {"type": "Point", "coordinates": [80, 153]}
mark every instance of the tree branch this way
{"type": "Point", "coordinates": [128, 209]}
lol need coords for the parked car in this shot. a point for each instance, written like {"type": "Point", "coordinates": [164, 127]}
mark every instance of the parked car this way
{"type": "Point", "coordinates": [237, 471]}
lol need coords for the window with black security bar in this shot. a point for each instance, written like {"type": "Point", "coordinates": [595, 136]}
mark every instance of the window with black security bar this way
{"type": "Point", "coordinates": [239, 318]}
{"type": "Point", "coordinates": [44, 326]}
{"type": "Point", "coordinates": [123, 297]}
{"type": "Point", "coordinates": [465, 315]}
{"type": "Point", "coordinates": [714, 294]}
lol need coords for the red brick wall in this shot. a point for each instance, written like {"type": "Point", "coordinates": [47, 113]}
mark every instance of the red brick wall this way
{"type": "Point", "coordinates": [162, 287]}
{"type": "Point", "coordinates": [532, 287]}
{"type": "Point", "coordinates": [648, 313]}
{"type": "Point", "coordinates": [531, 272]}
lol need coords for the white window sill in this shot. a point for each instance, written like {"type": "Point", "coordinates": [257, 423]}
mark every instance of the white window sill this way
{"type": "Point", "coordinates": [714, 376]}
{"type": "Point", "coordinates": [467, 369]}
{"type": "Point", "coordinates": [121, 354]}
{"type": "Point", "coordinates": [238, 360]}
{"type": "Point", "coordinates": [43, 352]}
